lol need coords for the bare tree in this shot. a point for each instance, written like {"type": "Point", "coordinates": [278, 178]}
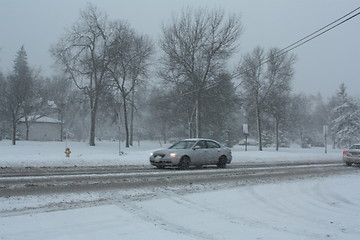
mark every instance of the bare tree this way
{"type": "Point", "coordinates": [265, 77]}
{"type": "Point", "coordinates": [144, 50]}
{"type": "Point", "coordinates": [251, 71]}
{"type": "Point", "coordinates": [84, 54]}
{"type": "Point", "coordinates": [279, 75]}
{"type": "Point", "coordinates": [59, 89]}
{"type": "Point", "coordinates": [195, 47]}
{"type": "Point", "coordinates": [129, 60]}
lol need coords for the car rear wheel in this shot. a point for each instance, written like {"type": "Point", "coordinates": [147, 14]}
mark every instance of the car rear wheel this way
{"type": "Point", "coordinates": [184, 163]}
{"type": "Point", "coordinates": [222, 162]}
{"type": "Point", "coordinates": [348, 163]}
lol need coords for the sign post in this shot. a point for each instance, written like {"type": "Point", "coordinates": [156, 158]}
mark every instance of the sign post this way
{"type": "Point", "coordinates": [325, 130]}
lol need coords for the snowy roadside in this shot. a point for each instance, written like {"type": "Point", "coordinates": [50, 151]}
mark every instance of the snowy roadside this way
{"type": "Point", "coordinates": [51, 154]}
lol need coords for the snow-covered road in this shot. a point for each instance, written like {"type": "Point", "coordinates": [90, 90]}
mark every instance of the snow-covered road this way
{"type": "Point", "coordinates": [38, 182]}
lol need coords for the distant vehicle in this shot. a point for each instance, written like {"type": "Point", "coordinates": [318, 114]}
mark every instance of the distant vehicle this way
{"type": "Point", "coordinates": [192, 152]}
{"type": "Point", "coordinates": [352, 155]}
{"type": "Point", "coordinates": [249, 142]}
{"type": "Point", "coordinates": [317, 144]}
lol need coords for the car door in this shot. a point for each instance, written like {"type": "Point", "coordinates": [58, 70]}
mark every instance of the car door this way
{"type": "Point", "coordinates": [213, 152]}
{"type": "Point", "coordinates": [199, 153]}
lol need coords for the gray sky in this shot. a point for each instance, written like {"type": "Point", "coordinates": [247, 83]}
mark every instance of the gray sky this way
{"type": "Point", "coordinates": [322, 64]}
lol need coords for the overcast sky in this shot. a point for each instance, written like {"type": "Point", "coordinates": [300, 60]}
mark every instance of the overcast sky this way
{"type": "Point", "coordinates": [322, 64]}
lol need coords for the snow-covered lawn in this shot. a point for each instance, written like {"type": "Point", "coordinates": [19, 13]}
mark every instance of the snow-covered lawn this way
{"type": "Point", "coordinates": [316, 208]}
{"type": "Point", "coordinates": [41, 154]}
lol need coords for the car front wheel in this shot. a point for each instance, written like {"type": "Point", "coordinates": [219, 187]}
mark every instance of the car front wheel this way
{"type": "Point", "coordinates": [184, 163]}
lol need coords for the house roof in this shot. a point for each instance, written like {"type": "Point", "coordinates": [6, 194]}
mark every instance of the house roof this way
{"type": "Point", "coordinates": [41, 119]}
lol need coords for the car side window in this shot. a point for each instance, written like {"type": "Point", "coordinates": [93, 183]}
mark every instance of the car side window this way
{"type": "Point", "coordinates": [182, 145]}
{"type": "Point", "coordinates": [201, 144]}
{"type": "Point", "coordinates": [211, 144]}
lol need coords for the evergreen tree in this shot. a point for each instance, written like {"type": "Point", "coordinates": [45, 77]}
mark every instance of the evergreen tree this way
{"type": "Point", "coordinates": [219, 111]}
{"type": "Point", "coordinates": [17, 90]}
{"type": "Point", "coordinates": [2, 110]}
{"type": "Point", "coordinates": [345, 118]}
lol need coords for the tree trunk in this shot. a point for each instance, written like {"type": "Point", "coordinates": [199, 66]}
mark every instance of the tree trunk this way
{"type": "Point", "coordinates": [61, 131]}
{"type": "Point", "coordinates": [92, 127]}
{"type": "Point", "coordinates": [61, 115]}
{"type": "Point", "coordinates": [93, 106]}
{"type": "Point", "coordinates": [27, 129]}
{"type": "Point", "coordinates": [190, 131]}
{"type": "Point", "coordinates": [197, 120]}
{"type": "Point", "coordinates": [277, 134]}
{"type": "Point", "coordinates": [197, 116]}
{"type": "Point", "coordinates": [14, 133]}
{"type": "Point", "coordinates": [132, 115]}
{"type": "Point", "coordinates": [126, 124]}
{"type": "Point", "coordinates": [258, 121]}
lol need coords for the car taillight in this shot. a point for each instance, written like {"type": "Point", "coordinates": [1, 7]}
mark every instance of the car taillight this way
{"type": "Point", "coordinates": [344, 152]}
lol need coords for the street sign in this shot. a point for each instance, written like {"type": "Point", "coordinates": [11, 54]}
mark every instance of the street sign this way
{"type": "Point", "coordinates": [245, 129]}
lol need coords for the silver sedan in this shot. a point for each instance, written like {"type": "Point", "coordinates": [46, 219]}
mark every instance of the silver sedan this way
{"type": "Point", "coordinates": [192, 152]}
{"type": "Point", "coordinates": [352, 155]}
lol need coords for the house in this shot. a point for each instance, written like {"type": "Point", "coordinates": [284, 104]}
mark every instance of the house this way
{"type": "Point", "coordinates": [41, 129]}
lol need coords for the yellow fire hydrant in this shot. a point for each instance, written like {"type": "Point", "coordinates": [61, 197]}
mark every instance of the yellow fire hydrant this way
{"type": "Point", "coordinates": [67, 152]}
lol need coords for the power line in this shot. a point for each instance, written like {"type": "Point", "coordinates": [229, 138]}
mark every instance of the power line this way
{"type": "Point", "coordinates": [321, 33]}
{"type": "Point", "coordinates": [294, 45]}
{"type": "Point", "coordinates": [313, 33]}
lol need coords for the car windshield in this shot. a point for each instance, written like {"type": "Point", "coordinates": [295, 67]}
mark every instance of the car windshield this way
{"type": "Point", "coordinates": [183, 145]}
{"type": "Point", "coordinates": [355, 146]}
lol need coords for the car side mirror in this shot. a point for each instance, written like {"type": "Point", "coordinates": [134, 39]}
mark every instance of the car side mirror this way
{"type": "Point", "coordinates": [196, 147]}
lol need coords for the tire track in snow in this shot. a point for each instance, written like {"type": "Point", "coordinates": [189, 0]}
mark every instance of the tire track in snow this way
{"type": "Point", "coordinates": [161, 222]}
{"type": "Point", "coordinates": [307, 209]}
{"type": "Point", "coordinates": [238, 220]}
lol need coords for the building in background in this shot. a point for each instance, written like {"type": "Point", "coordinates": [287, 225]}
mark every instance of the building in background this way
{"type": "Point", "coordinates": [41, 129]}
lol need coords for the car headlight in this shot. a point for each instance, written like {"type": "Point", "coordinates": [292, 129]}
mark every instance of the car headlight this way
{"type": "Point", "coordinates": [151, 154]}
{"type": "Point", "coordinates": [173, 155]}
